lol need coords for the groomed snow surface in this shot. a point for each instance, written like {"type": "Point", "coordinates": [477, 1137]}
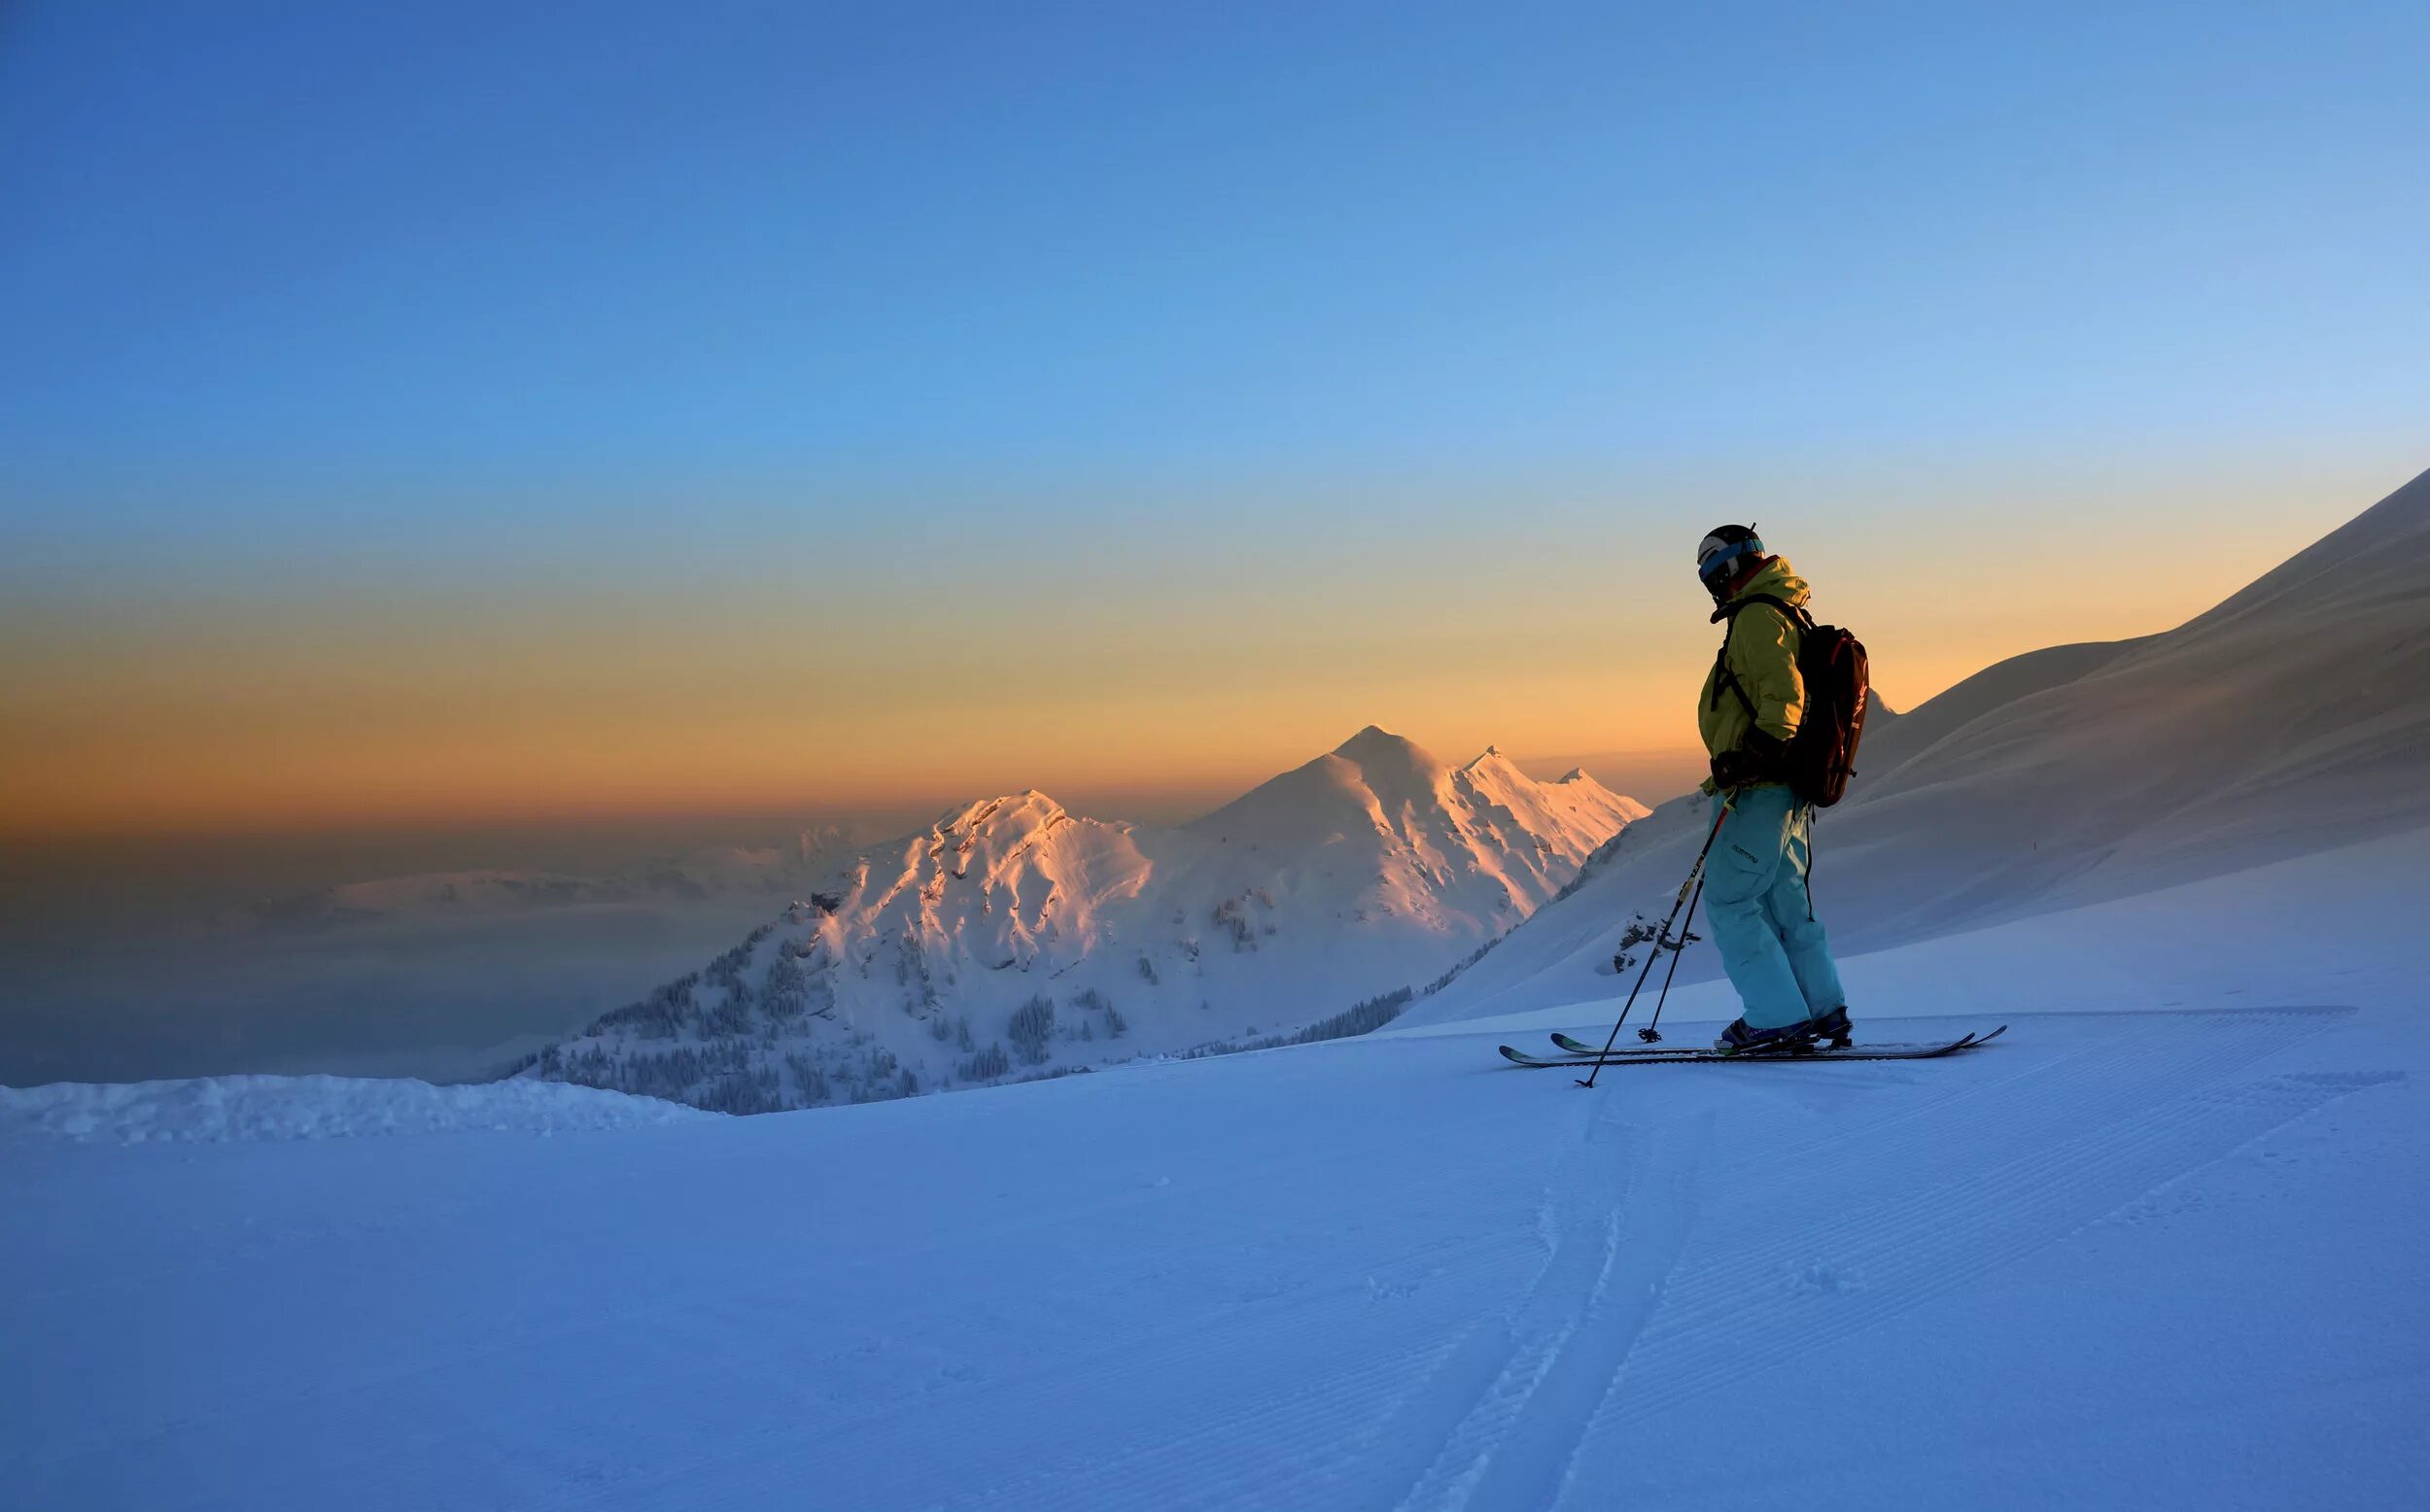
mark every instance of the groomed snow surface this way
{"type": "Point", "coordinates": [2166, 1259]}
{"type": "Point", "coordinates": [211, 1110]}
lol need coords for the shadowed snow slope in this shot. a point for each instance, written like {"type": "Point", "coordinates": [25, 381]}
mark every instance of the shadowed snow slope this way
{"type": "Point", "coordinates": [2292, 718]}
{"type": "Point", "coordinates": [214, 1110]}
{"type": "Point", "coordinates": [1014, 938]}
{"type": "Point", "coordinates": [2137, 1259]}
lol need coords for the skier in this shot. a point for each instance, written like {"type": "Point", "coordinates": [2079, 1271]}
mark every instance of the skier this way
{"type": "Point", "coordinates": [1761, 908]}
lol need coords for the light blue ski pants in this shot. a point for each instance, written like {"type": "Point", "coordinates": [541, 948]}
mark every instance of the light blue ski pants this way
{"type": "Point", "coordinates": [1761, 911]}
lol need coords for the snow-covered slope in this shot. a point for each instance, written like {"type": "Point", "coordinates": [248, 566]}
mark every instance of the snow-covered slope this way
{"type": "Point", "coordinates": [2154, 1259]}
{"type": "Point", "coordinates": [2293, 718]}
{"type": "Point", "coordinates": [1013, 938]}
{"type": "Point", "coordinates": [217, 1110]}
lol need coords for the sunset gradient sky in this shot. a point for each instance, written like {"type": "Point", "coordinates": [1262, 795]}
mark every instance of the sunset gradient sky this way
{"type": "Point", "coordinates": [463, 413]}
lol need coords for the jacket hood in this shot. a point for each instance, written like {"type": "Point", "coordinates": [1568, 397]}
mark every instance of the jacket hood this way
{"type": "Point", "coordinates": [1776, 579]}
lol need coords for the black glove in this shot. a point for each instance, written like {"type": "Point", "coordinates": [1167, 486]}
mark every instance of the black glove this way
{"type": "Point", "coordinates": [1760, 758]}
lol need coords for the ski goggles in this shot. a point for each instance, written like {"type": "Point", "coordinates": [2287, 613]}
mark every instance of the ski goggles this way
{"type": "Point", "coordinates": [1719, 557]}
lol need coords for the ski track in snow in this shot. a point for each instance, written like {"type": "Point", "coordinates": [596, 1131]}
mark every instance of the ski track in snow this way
{"type": "Point", "coordinates": [1928, 1216]}
{"type": "Point", "coordinates": [1611, 1219]}
{"type": "Point", "coordinates": [1372, 1274]}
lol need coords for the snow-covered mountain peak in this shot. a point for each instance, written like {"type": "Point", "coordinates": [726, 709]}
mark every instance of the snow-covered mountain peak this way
{"type": "Point", "coordinates": [1025, 813]}
{"type": "Point", "coordinates": [1385, 793]}
{"type": "Point", "coordinates": [1372, 739]}
{"type": "Point", "coordinates": [1355, 788]}
{"type": "Point", "coordinates": [1368, 869]}
{"type": "Point", "coordinates": [1390, 765]}
{"type": "Point", "coordinates": [1491, 760]}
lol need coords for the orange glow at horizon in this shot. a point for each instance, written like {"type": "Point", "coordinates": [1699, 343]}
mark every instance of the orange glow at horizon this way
{"type": "Point", "coordinates": [903, 684]}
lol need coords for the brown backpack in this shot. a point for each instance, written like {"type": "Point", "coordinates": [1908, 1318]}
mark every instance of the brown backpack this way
{"type": "Point", "coordinates": [1831, 663]}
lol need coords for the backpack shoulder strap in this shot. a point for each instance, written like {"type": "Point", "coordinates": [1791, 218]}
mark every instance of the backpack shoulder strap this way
{"type": "Point", "coordinates": [1788, 611]}
{"type": "Point", "coordinates": [1723, 677]}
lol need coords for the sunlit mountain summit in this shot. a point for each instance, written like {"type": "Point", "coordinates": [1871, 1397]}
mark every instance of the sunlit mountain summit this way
{"type": "Point", "coordinates": [1013, 939]}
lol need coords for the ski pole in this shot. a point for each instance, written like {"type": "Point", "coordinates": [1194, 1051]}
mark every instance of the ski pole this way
{"type": "Point", "coordinates": [1688, 936]}
{"type": "Point", "coordinates": [1695, 883]}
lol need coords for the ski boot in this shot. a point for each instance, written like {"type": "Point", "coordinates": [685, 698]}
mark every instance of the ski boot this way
{"type": "Point", "coordinates": [1790, 1039]}
{"type": "Point", "coordinates": [1832, 1030]}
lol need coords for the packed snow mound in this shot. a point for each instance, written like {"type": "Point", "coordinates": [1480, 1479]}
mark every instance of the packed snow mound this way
{"type": "Point", "coordinates": [2291, 719]}
{"type": "Point", "coordinates": [220, 1110]}
{"type": "Point", "coordinates": [1013, 939]}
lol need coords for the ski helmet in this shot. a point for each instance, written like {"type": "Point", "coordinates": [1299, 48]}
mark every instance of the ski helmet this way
{"type": "Point", "coordinates": [1720, 555]}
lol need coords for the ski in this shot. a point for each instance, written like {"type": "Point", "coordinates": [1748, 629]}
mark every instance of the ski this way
{"type": "Point", "coordinates": [1697, 1056]}
{"type": "Point", "coordinates": [1577, 1047]}
{"type": "Point", "coordinates": [1692, 1057]}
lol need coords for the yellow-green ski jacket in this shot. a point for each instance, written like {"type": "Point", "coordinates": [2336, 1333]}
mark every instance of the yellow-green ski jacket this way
{"type": "Point", "coordinates": [1762, 652]}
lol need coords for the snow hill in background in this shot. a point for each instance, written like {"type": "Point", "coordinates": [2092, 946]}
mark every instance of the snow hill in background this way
{"type": "Point", "coordinates": [2293, 718]}
{"type": "Point", "coordinates": [1014, 940]}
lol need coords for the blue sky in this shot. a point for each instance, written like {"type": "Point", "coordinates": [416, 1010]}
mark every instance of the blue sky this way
{"type": "Point", "coordinates": [472, 243]}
